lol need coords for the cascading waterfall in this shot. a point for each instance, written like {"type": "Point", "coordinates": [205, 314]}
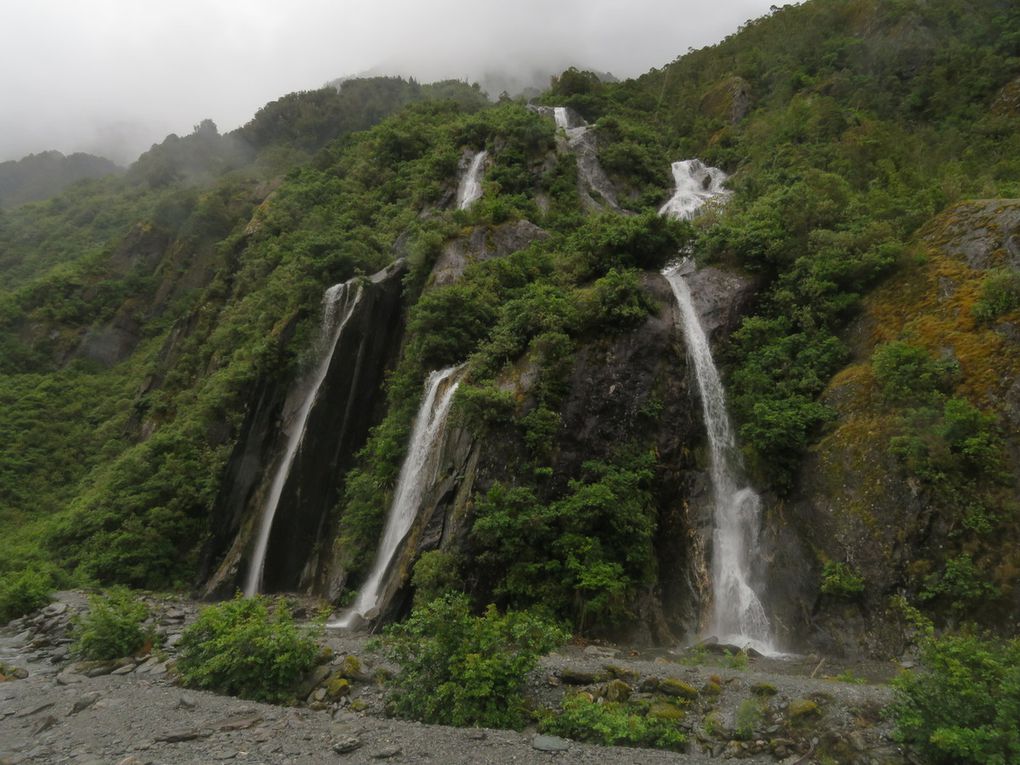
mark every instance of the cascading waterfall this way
{"type": "Point", "coordinates": [416, 476]}
{"type": "Point", "coordinates": [738, 615]}
{"type": "Point", "coordinates": [470, 189]}
{"type": "Point", "coordinates": [338, 304]}
{"type": "Point", "coordinates": [696, 184]}
{"type": "Point", "coordinates": [581, 140]}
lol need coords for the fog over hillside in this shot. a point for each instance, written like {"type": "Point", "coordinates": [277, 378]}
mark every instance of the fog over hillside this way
{"type": "Point", "coordinates": [112, 76]}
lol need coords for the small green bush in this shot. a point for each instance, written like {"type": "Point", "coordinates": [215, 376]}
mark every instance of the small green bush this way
{"type": "Point", "coordinates": [907, 373]}
{"type": "Point", "coordinates": [963, 705]}
{"type": "Point", "coordinates": [840, 580]}
{"type": "Point", "coordinates": [243, 648]}
{"type": "Point", "coordinates": [612, 724]}
{"type": "Point", "coordinates": [436, 573]}
{"type": "Point", "coordinates": [459, 669]}
{"type": "Point", "coordinates": [1000, 294]}
{"type": "Point", "coordinates": [22, 592]}
{"type": "Point", "coordinates": [113, 627]}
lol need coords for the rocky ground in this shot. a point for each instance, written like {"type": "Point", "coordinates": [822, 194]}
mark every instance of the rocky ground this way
{"type": "Point", "coordinates": [55, 710]}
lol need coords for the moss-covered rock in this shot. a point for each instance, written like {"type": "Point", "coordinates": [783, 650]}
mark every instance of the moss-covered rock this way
{"type": "Point", "coordinates": [666, 710]}
{"type": "Point", "coordinates": [673, 686]}
{"type": "Point", "coordinates": [803, 709]}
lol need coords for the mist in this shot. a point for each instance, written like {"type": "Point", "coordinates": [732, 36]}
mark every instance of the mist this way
{"type": "Point", "coordinates": [111, 77]}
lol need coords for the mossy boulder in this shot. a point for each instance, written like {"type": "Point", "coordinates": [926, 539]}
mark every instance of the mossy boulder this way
{"type": "Point", "coordinates": [666, 710]}
{"type": "Point", "coordinates": [764, 690]}
{"type": "Point", "coordinates": [616, 690]}
{"type": "Point", "coordinates": [803, 709]}
{"type": "Point", "coordinates": [337, 686]}
{"type": "Point", "coordinates": [672, 686]}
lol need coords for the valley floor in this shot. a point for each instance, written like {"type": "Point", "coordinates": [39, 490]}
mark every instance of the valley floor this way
{"type": "Point", "coordinates": [135, 715]}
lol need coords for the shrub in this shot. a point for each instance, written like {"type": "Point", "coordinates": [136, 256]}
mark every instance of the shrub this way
{"type": "Point", "coordinates": [22, 592]}
{"type": "Point", "coordinates": [243, 648]}
{"type": "Point", "coordinates": [113, 626]}
{"type": "Point", "coordinates": [1000, 294]}
{"type": "Point", "coordinates": [963, 705]}
{"type": "Point", "coordinates": [612, 723]}
{"type": "Point", "coordinates": [840, 580]}
{"type": "Point", "coordinates": [907, 373]}
{"type": "Point", "coordinates": [436, 573]}
{"type": "Point", "coordinates": [458, 669]}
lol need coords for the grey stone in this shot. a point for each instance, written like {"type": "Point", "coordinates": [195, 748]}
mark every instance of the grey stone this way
{"type": "Point", "coordinates": [84, 702]}
{"type": "Point", "coordinates": [550, 743]}
{"type": "Point", "coordinates": [387, 752]}
{"type": "Point", "coordinates": [346, 744]}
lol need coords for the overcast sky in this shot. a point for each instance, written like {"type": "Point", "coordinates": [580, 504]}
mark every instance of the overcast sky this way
{"type": "Point", "coordinates": [114, 76]}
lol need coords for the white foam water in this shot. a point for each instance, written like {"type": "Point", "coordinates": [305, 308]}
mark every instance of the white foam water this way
{"type": "Point", "coordinates": [470, 189]}
{"type": "Point", "coordinates": [417, 474]}
{"type": "Point", "coordinates": [338, 304]}
{"type": "Point", "coordinates": [696, 184]}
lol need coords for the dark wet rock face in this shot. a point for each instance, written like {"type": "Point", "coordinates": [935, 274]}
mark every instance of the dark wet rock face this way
{"type": "Point", "coordinates": [345, 408]}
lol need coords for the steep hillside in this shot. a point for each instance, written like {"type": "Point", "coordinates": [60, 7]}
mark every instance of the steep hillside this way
{"type": "Point", "coordinates": [161, 337]}
{"type": "Point", "coordinates": [39, 176]}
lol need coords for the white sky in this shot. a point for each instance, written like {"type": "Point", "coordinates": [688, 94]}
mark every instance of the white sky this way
{"type": "Point", "coordinates": [114, 76]}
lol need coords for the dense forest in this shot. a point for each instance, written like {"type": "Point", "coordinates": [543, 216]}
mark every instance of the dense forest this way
{"type": "Point", "coordinates": [146, 317]}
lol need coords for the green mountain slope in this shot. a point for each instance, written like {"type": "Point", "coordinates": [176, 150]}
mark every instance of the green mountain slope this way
{"type": "Point", "coordinates": [142, 319]}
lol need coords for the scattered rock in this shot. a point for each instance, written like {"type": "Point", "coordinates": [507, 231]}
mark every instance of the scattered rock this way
{"type": "Point", "coordinates": [190, 734]}
{"type": "Point", "coordinates": [602, 652]}
{"type": "Point", "coordinates": [346, 744]}
{"type": "Point", "coordinates": [48, 722]}
{"type": "Point", "coordinates": [87, 700]}
{"type": "Point", "coordinates": [550, 743]}
{"type": "Point", "coordinates": [387, 753]}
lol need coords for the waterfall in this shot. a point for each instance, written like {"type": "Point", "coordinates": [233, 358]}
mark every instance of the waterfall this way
{"type": "Point", "coordinates": [581, 140]}
{"type": "Point", "coordinates": [696, 184]}
{"type": "Point", "coordinates": [338, 305]}
{"type": "Point", "coordinates": [561, 117]}
{"type": "Point", "coordinates": [738, 615]}
{"type": "Point", "coordinates": [470, 189]}
{"type": "Point", "coordinates": [416, 476]}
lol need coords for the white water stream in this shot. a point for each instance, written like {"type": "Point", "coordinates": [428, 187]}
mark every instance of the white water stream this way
{"type": "Point", "coordinates": [470, 189]}
{"type": "Point", "coordinates": [338, 305]}
{"type": "Point", "coordinates": [417, 475]}
{"type": "Point", "coordinates": [737, 613]}
{"type": "Point", "coordinates": [696, 184]}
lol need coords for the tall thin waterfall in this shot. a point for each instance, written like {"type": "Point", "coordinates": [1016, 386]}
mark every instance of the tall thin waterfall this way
{"type": "Point", "coordinates": [696, 184]}
{"type": "Point", "coordinates": [737, 613]}
{"type": "Point", "coordinates": [470, 189]}
{"type": "Point", "coordinates": [581, 140]}
{"type": "Point", "coordinates": [338, 305]}
{"type": "Point", "coordinates": [416, 476]}
{"type": "Point", "coordinates": [738, 616]}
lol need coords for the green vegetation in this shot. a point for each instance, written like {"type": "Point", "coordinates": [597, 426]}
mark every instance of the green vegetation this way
{"type": "Point", "coordinates": [143, 316]}
{"type": "Point", "coordinates": [459, 669]}
{"type": "Point", "coordinates": [963, 705]}
{"type": "Point", "coordinates": [613, 724]}
{"type": "Point", "coordinates": [245, 647]}
{"type": "Point", "coordinates": [113, 627]}
{"type": "Point", "coordinates": [23, 592]}
{"type": "Point", "coordinates": [840, 579]}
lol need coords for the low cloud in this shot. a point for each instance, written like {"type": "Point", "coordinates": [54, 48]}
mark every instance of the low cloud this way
{"type": "Point", "coordinates": [114, 76]}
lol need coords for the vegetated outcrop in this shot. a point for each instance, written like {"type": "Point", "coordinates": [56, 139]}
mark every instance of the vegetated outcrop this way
{"type": "Point", "coordinates": [634, 388]}
{"type": "Point", "coordinates": [346, 406]}
{"type": "Point", "coordinates": [910, 493]}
